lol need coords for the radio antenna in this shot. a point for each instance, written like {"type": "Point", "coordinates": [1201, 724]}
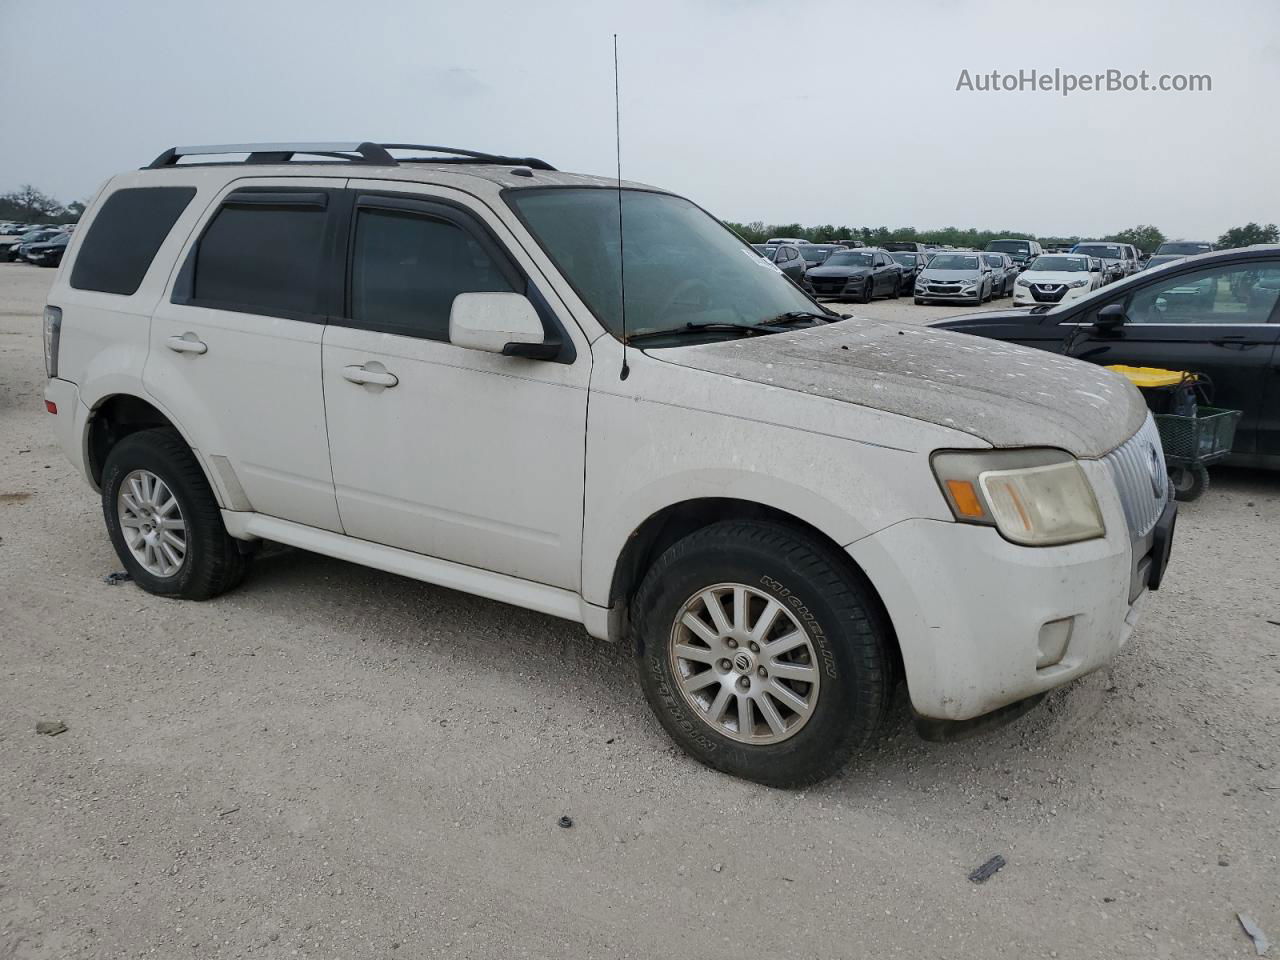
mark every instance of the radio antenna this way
{"type": "Point", "coordinates": [622, 264]}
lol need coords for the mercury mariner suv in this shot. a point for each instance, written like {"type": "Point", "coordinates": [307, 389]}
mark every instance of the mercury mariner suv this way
{"type": "Point", "coordinates": [432, 362]}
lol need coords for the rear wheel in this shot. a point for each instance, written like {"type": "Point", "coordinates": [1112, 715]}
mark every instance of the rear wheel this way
{"type": "Point", "coordinates": [760, 653]}
{"type": "Point", "coordinates": [164, 521]}
{"type": "Point", "coordinates": [1189, 482]}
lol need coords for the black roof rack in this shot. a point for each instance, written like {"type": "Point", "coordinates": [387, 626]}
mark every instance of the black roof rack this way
{"type": "Point", "coordinates": [366, 152]}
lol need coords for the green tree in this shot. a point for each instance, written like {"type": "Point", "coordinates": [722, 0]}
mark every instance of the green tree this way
{"type": "Point", "coordinates": [1144, 236]}
{"type": "Point", "coordinates": [1250, 233]}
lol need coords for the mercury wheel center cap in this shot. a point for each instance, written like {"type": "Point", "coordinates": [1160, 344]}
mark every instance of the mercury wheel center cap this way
{"type": "Point", "coordinates": [744, 662]}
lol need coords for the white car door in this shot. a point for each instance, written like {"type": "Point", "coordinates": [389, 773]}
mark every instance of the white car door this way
{"type": "Point", "coordinates": [459, 454]}
{"type": "Point", "coordinates": [235, 345]}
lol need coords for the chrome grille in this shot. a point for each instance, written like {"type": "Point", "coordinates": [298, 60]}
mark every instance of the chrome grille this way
{"type": "Point", "coordinates": [1137, 466]}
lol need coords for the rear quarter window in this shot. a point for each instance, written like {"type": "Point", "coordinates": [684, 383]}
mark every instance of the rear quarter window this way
{"type": "Point", "coordinates": [124, 237]}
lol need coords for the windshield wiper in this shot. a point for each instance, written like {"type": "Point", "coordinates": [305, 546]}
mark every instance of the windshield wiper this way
{"type": "Point", "coordinates": [794, 316]}
{"type": "Point", "coordinates": [716, 326]}
{"type": "Point", "coordinates": [778, 324]}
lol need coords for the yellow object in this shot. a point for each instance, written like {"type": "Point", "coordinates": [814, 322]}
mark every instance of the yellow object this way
{"type": "Point", "coordinates": [1150, 376]}
{"type": "Point", "coordinates": [966, 498]}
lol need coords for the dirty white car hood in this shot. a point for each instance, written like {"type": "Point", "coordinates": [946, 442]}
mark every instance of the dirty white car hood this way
{"type": "Point", "coordinates": [1007, 395]}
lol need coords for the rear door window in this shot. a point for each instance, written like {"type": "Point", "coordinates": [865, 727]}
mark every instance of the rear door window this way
{"type": "Point", "coordinates": [263, 252]}
{"type": "Point", "coordinates": [124, 237]}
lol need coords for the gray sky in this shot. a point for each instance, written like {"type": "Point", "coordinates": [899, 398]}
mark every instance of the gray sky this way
{"type": "Point", "coordinates": [779, 110]}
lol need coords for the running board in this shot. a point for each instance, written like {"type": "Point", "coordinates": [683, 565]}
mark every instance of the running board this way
{"type": "Point", "coordinates": [456, 576]}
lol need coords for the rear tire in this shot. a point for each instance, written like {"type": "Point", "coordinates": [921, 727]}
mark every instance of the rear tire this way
{"type": "Point", "coordinates": [183, 551]}
{"type": "Point", "coordinates": [775, 585]}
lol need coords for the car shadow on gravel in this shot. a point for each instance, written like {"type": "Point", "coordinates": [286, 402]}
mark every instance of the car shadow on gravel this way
{"type": "Point", "coordinates": [337, 598]}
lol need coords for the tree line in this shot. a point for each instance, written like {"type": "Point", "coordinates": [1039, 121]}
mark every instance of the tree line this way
{"type": "Point", "coordinates": [29, 205]}
{"type": "Point", "coordinates": [1144, 236]}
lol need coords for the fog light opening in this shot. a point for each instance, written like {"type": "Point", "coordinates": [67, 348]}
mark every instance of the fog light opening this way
{"type": "Point", "coordinates": [1054, 638]}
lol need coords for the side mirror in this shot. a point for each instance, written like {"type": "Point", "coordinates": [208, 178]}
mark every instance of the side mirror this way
{"type": "Point", "coordinates": [504, 323]}
{"type": "Point", "coordinates": [1110, 317]}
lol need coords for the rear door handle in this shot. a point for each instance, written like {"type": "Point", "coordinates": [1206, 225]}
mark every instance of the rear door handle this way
{"type": "Point", "coordinates": [187, 343]}
{"type": "Point", "coordinates": [373, 373]}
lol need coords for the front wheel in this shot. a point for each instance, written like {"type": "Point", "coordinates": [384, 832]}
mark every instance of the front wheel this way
{"type": "Point", "coordinates": [164, 521]}
{"type": "Point", "coordinates": [762, 654]}
{"type": "Point", "coordinates": [1189, 482]}
{"type": "Point", "coordinates": [868, 292]}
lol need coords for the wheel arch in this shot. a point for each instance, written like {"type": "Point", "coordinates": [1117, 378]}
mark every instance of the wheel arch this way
{"type": "Point", "coordinates": [672, 523]}
{"type": "Point", "coordinates": [115, 416]}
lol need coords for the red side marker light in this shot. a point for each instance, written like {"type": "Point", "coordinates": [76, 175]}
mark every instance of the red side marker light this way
{"type": "Point", "coordinates": [51, 407]}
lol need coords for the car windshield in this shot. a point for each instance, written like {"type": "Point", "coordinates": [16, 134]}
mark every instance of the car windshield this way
{"type": "Point", "coordinates": [1009, 246]}
{"type": "Point", "coordinates": [953, 261]}
{"type": "Point", "coordinates": [1108, 250]}
{"type": "Point", "coordinates": [1162, 260]}
{"type": "Point", "coordinates": [906, 259]}
{"type": "Point", "coordinates": [848, 260]}
{"type": "Point", "coordinates": [1184, 249]}
{"type": "Point", "coordinates": [1061, 264]}
{"type": "Point", "coordinates": [815, 254]}
{"type": "Point", "coordinates": [681, 265]}
{"type": "Point", "coordinates": [994, 259]}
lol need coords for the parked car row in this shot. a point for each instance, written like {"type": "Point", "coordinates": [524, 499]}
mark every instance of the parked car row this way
{"type": "Point", "coordinates": [41, 244]}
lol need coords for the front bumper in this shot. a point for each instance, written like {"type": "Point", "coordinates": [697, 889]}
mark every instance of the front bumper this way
{"type": "Point", "coordinates": [932, 294]}
{"type": "Point", "coordinates": [1022, 297]}
{"type": "Point", "coordinates": [975, 613]}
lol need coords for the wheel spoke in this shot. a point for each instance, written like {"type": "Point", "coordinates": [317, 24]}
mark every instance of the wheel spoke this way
{"type": "Point", "coordinates": [700, 629]}
{"type": "Point", "coordinates": [687, 651]}
{"type": "Point", "coordinates": [770, 714]}
{"type": "Point", "coordinates": [740, 612]}
{"type": "Point", "coordinates": [716, 711]}
{"type": "Point", "coordinates": [780, 670]}
{"type": "Point", "coordinates": [168, 506]}
{"type": "Point", "coordinates": [168, 539]}
{"type": "Point", "coordinates": [746, 721]}
{"type": "Point", "coordinates": [785, 644]}
{"type": "Point", "coordinates": [712, 603]}
{"type": "Point", "coordinates": [767, 619]}
{"type": "Point", "coordinates": [792, 699]}
{"type": "Point", "coordinates": [131, 521]}
{"type": "Point", "coordinates": [699, 681]}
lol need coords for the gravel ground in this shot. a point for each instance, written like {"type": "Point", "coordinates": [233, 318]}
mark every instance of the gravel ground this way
{"type": "Point", "coordinates": [333, 762]}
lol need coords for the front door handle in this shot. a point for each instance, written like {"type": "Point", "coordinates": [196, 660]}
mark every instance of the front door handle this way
{"type": "Point", "coordinates": [373, 374]}
{"type": "Point", "coordinates": [187, 343]}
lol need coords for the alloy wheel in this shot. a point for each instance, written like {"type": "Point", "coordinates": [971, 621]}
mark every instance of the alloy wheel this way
{"type": "Point", "coordinates": [744, 664]}
{"type": "Point", "coordinates": [152, 524]}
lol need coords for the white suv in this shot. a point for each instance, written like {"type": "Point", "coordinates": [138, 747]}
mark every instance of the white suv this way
{"type": "Point", "coordinates": [428, 365]}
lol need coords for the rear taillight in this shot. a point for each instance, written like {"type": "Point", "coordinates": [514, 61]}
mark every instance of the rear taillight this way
{"type": "Point", "coordinates": [52, 334]}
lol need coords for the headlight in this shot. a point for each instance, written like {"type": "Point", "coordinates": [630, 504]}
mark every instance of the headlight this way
{"type": "Point", "coordinates": [1078, 283]}
{"type": "Point", "coordinates": [1034, 497]}
{"type": "Point", "coordinates": [1022, 282]}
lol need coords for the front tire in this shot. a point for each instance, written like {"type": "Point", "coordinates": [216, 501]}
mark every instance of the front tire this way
{"type": "Point", "coordinates": [761, 653]}
{"type": "Point", "coordinates": [868, 292]}
{"type": "Point", "coordinates": [164, 521]}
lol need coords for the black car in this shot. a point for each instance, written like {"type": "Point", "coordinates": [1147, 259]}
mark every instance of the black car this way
{"type": "Point", "coordinates": [1216, 314]}
{"type": "Point", "coordinates": [29, 239]}
{"type": "Point", "coordinates": [49, 253]}
{"type": "Point", "coordinates": [816, 253]}
{"type": "Point", "coordinates": [860, 274]}
{"type": "Point", "coordinates": [911, 264]}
